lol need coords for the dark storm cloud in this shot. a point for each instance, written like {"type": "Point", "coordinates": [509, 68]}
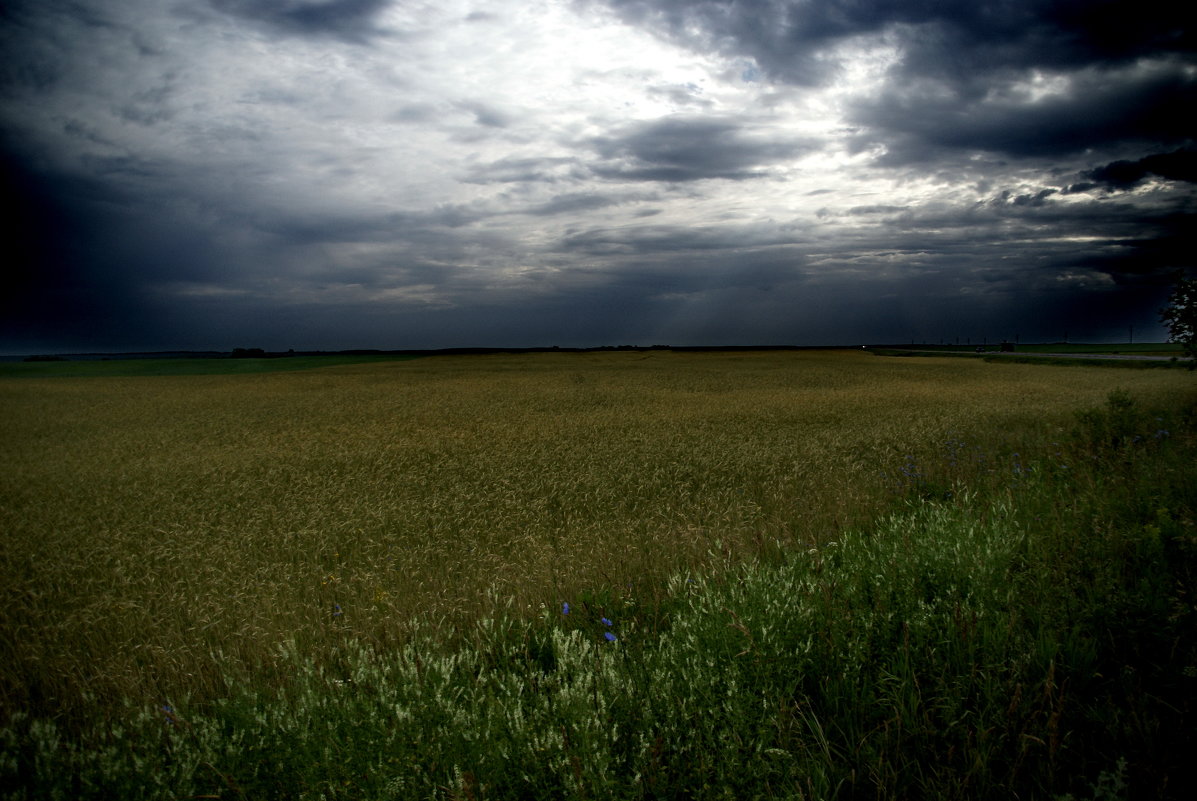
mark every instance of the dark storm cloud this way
{"type": "Point", "coordinates": [921, 123]}
{"type": "Point", "coordinates": [1030, 242]}
{"type": "Point", "coordinates": [993, 269]}
{"type": "Point", "coordinates": [350, 20]}
{"type": "Point", "coordinates": [485, 114]}
{"type": "Point", "coordinates": [571, 202]}
{"type": "Point", "coordinates": [676, 241]}
{"type": "Point", "coordinates": [1084, 96]}
{"type": "Point", "coordinates": [1006, 264]}
{"type": "Point", "coordinates": [875, 209]}
{"type": "Point", "coordinates": [37, 39]}
{"type": "Point", "coordinates": [958, 41]}
{"type": "Point", "coordinates": [1158, 246]}
{"type": "Point", "coordinates": [1180, 165]}
{"type": "Point", "coordinates": [678, 149]}
{"type": "Point", "coordinates": [75, 259]}
{"type": "Point", "coordinates": [533, 169]}
{"type": "Point", "coordinates": [784, 38]}
{"type": "Point", "coordinates": [132, 252]}
{"type": "Point", "coordinates": [299, 174]}
{"type": "Point", "coordinates": [956, 82]}
{"type": "Point", "coordinates": [332, 227]}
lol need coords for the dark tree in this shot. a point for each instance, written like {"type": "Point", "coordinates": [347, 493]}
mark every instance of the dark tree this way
{"type": "Point", "coordinates": [1180, 315]}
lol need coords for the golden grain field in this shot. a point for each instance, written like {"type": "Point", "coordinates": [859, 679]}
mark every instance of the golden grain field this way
{"type": "Point", "coordinates": [157, 530]}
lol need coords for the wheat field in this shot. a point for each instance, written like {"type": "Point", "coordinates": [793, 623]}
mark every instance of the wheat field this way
{"type": "Point", "coordinates": [163, 534]}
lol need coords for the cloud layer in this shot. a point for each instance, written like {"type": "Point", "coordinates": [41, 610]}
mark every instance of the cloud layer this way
{"type": "Point", "coordinates": [365, 173]}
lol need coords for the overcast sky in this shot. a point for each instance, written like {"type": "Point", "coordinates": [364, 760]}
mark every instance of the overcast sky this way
{"type": "Point", "coordinates": [329, 174]}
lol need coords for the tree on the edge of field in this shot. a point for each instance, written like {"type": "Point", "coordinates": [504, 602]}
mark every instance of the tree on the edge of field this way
{"type": "Point", "coordinates": [1180, 315]}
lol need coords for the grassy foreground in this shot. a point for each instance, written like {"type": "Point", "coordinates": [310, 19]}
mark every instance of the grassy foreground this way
{"type": "Point", "coordinates": [816, 575]}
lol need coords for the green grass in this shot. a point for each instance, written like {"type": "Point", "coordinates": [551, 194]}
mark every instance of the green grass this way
{"type": "Point", "coordinates": [1078, 361]}
{"type": "Point", "coordinates": [827, 575]}
{"type": "Point", "coordinates": [1130, 348]}
{"type": "Point", "coordinates": [121, 368]}
{"type": "Point", "coordinates": [1057, 354]}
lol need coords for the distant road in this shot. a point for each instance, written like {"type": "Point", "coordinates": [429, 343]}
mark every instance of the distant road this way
{"type": "Point", "coordinates": [1038, 355]}
{"type": "Point", "coordinates": [1091, 356]}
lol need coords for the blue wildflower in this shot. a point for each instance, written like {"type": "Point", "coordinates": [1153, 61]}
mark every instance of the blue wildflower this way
{"type": "Point", "coordinates": [610, 637]}
{"type": "Point", "coordinates": [336, 610]}
{"type": "Point", "coordinates": [606, 622]}
{"type": "Point", "coordinates": [565, 608]}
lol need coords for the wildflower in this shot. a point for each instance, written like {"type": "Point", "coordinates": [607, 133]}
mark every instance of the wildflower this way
{"type": "Point", "coordinates": [565, 608]}
{"type": "Point", "coordinates": [606, 622]}
{"type": "Point", "coordinates": [610, 637]}
{"type": "Point", "coordinates": [336, 610]}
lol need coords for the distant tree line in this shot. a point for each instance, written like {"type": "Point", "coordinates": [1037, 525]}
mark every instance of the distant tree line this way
{"type": "Point", "coordinates": [257, 353]}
